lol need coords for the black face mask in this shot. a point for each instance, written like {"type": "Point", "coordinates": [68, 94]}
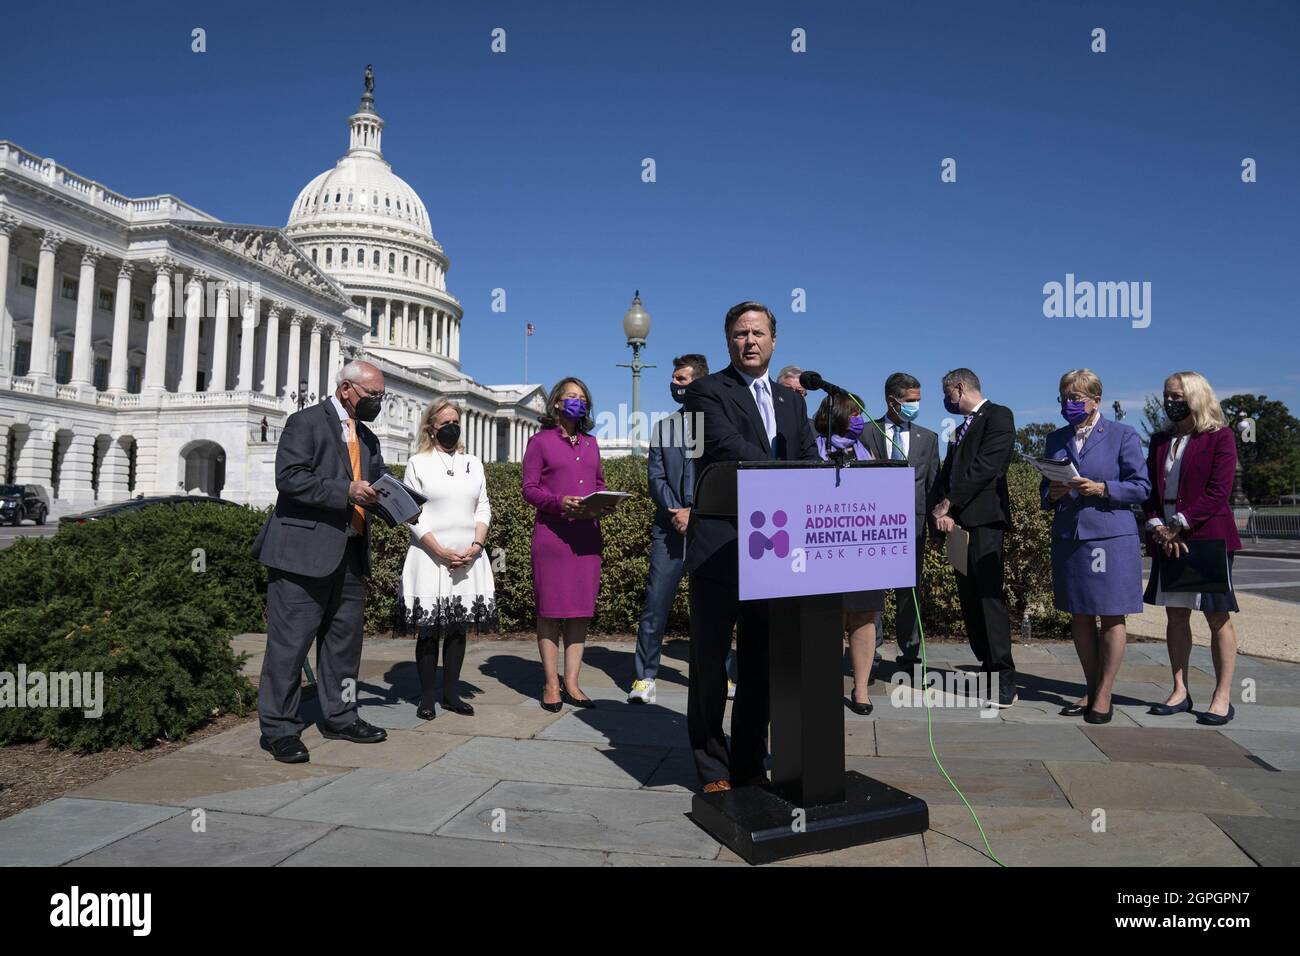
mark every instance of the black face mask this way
{"type": "Point", "coordinates": [368, 408]}
{"type": "Point", "coordinates": [679, 393]}
{"type": "Point", "coordinates": [1176, 410]}
{"type": "Point", "coordinates": [449, 434]}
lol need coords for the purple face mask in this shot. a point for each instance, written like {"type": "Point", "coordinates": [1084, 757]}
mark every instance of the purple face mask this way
{"type": "Point", "coordinates": [1074, 412]}
{"type": "Point", "coordinates": [856, 424]}
{"type": "Point", "coordinates": [842, 442]}
{"type": "Point", "coordinates": [574, 409]}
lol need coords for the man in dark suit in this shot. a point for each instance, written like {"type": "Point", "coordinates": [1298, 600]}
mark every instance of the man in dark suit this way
{"type": "Point", "coordinates": [973, 495]}
{"type": "Point", "coordinates": [670, 474]}
{"type": "Point", "coordinates": [316, 544]}
{"type": "Point", "coordinates": [897, 437]}
{"type": "Point", "coordinates": [746, 417]}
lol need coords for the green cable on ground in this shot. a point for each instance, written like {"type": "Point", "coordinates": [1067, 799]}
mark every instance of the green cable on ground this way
{"type": "Point", "coordinates": [929, 716]}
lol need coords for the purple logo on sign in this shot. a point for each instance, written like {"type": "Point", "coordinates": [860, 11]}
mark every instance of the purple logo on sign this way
{"type": "Point", "coordinates": [778, 543]}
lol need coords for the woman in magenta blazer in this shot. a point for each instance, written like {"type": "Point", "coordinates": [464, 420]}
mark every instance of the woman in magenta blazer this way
{"type": "Point", "coordinates": [561, 464]}
{"type": "Point", "coordinates": [1192, 465]}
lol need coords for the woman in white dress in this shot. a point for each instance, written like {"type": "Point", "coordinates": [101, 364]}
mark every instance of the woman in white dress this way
{"type": "Point", "coordinates": [447, 579]}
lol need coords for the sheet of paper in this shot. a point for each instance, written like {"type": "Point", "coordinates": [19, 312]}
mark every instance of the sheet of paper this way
{"type": "Point", "coordinates": [956, 546]}
{"type": "Point", "coordinates": [1052, 469]}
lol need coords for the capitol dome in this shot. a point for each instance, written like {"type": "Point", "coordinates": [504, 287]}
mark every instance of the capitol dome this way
{"type": "Point", "coordinates": [369, 230]}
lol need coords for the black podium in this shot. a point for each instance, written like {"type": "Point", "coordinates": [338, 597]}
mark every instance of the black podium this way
{"type": "Point", "coordinates": [812, 805]}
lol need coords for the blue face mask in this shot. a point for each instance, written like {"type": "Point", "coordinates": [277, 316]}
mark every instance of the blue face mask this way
{"type": "Point", "coordinates": [908, 411]}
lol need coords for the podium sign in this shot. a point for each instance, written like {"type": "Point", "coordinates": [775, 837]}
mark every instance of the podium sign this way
{"type": "Point", "coordinates": [802, 533]}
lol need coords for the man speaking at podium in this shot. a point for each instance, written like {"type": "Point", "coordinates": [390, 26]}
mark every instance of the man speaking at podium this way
{"type": "Point", "coordinates": [746, 417]}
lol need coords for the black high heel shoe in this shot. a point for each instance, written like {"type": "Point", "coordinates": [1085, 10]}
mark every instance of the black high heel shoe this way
{"type": "Point", "coordinates": [1165, 710]}
{"type": "Point", "coordinates": [862, 710]}
{"type": "Point", "coordinates": [567, 698]}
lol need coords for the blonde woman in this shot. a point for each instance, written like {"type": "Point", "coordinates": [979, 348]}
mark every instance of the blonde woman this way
{"type": "Point", "coordinates": [447, 579]}
{"type": "Point", "coordinates": [1192, 464]}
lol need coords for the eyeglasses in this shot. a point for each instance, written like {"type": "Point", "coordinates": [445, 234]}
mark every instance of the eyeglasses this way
{"type": "Point", "coordinates": [366, 393]}
{"type": "Point", "coordinates": [1074, 397]}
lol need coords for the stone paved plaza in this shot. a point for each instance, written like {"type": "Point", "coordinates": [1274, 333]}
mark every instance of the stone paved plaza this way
{"type": "Point", "coordinates": [612, 785]}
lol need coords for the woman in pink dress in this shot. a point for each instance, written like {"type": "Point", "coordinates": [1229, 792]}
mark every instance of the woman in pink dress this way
{"type": "Point", "coordinates": [561, 465]}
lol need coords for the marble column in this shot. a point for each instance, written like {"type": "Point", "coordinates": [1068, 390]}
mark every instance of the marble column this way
{"type": "Point", "coordinates": [189, 381]}
{"type": "Point", "coordinates": [404, 340]}
{"type": "Point", "coordinates": [77, 469]}
{"type": "Point", "coordinates": [43, 312]}
{"type": "Point", "coordinates": [313, 363]}
{"type": "Point", "coordinates": [7, 226]}
{"type": "Point", "coordinates": [220, 340]}
{"type": "Point", "coordinates": [83, 331]}
{"type": "Point", "coordinates": [492, 439]}
{"type": "Point", "coordinates": [248, 333]}
{"type": "Point", "coordinates": [114, 472]}
{"type": "Point", "coordinates": [155, 356]}
{"type": "Point", "coordinates": [335, 354]}
{"type": "Point", "coordinates": [292, 380]}
{"type": "Point", "coordinates": [117, 362]}
{"type": "Point", "coordinates": [423, 343]}
{"type": "Point", "coordinates": [455, 340]}
{"type": "Point", "coordinates": [385, 323]}
{"type": "Point", "coordinates": [271, 354]}
{"type": "Point", "coordinates": [369, 318]}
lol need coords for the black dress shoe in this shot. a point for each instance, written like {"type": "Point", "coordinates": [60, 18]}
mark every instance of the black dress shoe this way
{"type": "Point", "coordinates": [359, 732]}
{"type": "Point", "coordinates": [288, 749]}
{"type": "Point", "coordinates": [567, 698]}
{"type": "Point", "coordinates": [425, 713]}
{"type": "Point", "coordinates": [1074, 710]}
{"type": "Point", "coordinates": [1216, 720]}
{"type": "Point", "coordinates": [860, 709]}
{"type": "Point", "coordinates": [1167, 710]}
{"type": "Point", "coordinates": [457, 707]}
{"type": "Point", "coordinates": [1093, 717]}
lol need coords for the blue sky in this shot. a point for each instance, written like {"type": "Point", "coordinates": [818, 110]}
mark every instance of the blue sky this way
{"type": "Point", "coordinates": [775, 170]}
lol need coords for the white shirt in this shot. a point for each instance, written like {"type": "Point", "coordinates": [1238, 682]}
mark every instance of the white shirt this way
{"type": "Point", "coordinates": [344, 418]}
{"type": "Point", "coordinates": [1173, 465]}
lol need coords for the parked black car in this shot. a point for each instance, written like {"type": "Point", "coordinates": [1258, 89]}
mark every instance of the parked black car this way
{"type": "Point", "coordinates": [18, 502]}
{"type": "Point", "coordinates": [132, 504]}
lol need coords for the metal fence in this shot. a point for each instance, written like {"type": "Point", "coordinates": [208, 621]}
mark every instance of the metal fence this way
{"type": "Point", "coordinates": [1256, 523]}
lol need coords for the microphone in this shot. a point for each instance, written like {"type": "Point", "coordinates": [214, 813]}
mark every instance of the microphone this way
{"type": "Point", "coordinates": [813, 382]}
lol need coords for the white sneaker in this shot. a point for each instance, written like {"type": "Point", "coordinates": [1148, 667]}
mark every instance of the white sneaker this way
{"type": "Point", "coordinates": [731, 690]}
{"type": "Point", "coordinates": [643, 692]}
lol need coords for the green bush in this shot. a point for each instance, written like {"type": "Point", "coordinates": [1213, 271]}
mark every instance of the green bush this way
{"type": "Point", "coordinates": [122, 597]}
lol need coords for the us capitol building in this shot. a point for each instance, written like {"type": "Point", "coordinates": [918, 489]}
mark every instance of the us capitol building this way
{"type": "Point", "coordinates": [147, 347]}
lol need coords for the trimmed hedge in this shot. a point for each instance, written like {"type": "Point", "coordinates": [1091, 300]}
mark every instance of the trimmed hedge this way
{"type": "Point", "coordinates": [625, 561]}
{"type": "Point", "coordinates": [121, 596]}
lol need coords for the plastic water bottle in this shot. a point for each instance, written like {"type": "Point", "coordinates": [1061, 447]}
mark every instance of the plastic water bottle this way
{"type": "Point", "coordinates": [1026, 631]}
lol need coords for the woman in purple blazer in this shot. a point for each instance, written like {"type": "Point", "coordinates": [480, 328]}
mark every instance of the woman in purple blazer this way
{"type": "Point", "coordinates": [1096, 548]}
{"type": "Point", "coordinates": [561, 464]}
{"type": "Point", "coordinates": [1193, 463]}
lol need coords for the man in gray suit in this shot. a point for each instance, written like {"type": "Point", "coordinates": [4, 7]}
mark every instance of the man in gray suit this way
{"type": "Point", "coordinates": [670, 470]}
{"type": "Point", "coordinates": [903, 439]}
{"type": "Point", "coordinates": [316, 544]}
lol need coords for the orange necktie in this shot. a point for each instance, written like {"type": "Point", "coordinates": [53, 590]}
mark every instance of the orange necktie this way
{"type": "Point", "coordinates": [354, 458]}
